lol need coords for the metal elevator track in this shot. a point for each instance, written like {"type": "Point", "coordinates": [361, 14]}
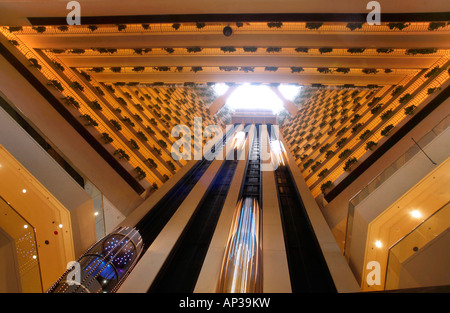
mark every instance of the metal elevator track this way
{"type": "Point", "coordinates": [180, 271]}
{"type": "Point", "coordinates": [154, 221]}
{"type": "Point", "coordinates": [307, 267]}
{"type": "Point", "coordinates": [252, 180]}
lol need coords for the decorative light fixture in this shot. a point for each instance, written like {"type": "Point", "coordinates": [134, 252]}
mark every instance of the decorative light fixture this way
{"type": "Point", "coordinates": [378, 244]}
{"type": "Point", "coordinates": [227, 31]}
{"type": "Point", "coordinates": [24, 191]}
{"type": "Point", "coordinates": [60, 225]}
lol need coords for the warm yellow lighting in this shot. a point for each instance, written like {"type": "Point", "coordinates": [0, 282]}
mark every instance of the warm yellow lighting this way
{"type": "Point", "coordinates": [25, 226]}
{"type": "Point", "coordinates": [60, 225]}
{"type": "Point", "coordinates": [96, 213]}
{"type": "Point", "coordinates": [416, 214]}
{"type": "Point", "coordinates": [378, 244]}
{"type": "Point", "coordinates": [34, 257]}
{"type": "Point", "coordinates": [24, 190]}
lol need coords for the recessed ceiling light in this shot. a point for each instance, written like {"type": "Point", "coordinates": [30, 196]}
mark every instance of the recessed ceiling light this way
{"type": "Point", "coordinates": [34, 257]}
{"type": "Point", "coordinates": [96, 213]}
{"type": "Point", "coordinates": [25, 226]}
{"type": "Point", "coordinates": [416, 214]}
{"type": "Point", "coordinates": [60, 225]}
{"type": "Point", "coordinates": [24, 190]}
{"type": "Point", "coordinates": [378, 244]}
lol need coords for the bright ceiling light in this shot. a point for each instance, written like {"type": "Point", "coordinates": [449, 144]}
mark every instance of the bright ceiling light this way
{"type": "Point", "coordinates": [378, 244]}
{"type": "Point", "coordinates": [290, 92]}
{"type": "Point", "coordinates": [24, 190]}
{"type": "Point", "coordinates": [255, 97]}
{"type": "Point", "coordinates": [220, 89]}
{"type": "Point", "coordinates": [25, 226]}
{"type": "Point", "coordinates": [60, 225]}
{"type": "Point", "coordinates": [416, 214]}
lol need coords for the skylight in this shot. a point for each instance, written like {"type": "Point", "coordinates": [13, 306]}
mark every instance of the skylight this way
{"type": "Point", "coordinates": [254, 97]}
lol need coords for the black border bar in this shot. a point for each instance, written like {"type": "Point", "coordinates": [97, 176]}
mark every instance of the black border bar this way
{"type": "Point", "coordinates": [252, 17]}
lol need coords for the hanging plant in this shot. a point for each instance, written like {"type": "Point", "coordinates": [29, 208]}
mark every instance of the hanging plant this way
{"type": "Point", "coordinates": [89, 120]}
{"type": "Point", "coordinates": [386, 130]}
{"type": "Point", "coordinates": [228, 49]}
{"type": "Point", "coordinates": [116, 69]}
{"type": "Point", "coordinates": [121, 27]}
{"type": "Point", "coordinates": [134, 145]}
{"type": "Point", "coordinates": [301, 49]}
{"type": "Point", "coordinates": [365, 134]}
{"type": "Point", "coordinates": [433, 72]}
{"type": "Point", "coordinates": [325, 50]}
{"type": "Point", "coordinates": [92, 28]}
{"type": "Point", "coordinates": [313, 25]}
{"type": "Point", "coordinates": [57, 84]}
{"type": "Point", "coordinates": [296, 69]}
{"type": "Point", "coordinates": [196, 69]}
{"type": "Point", "coordinates": [322, 172]}
{"type": "Point", "coordinates": [398, 26]}
{"type": "Point", "coordinates": [410, 110]}
{"type": "Point", "coordinates": [274, 24]}
{"type": "Point", "coordinates": [405, 98]}
{"type": "Point", "coordinates": [228, 68]}
{"type": "Point", "coordinates": [375, 109]}
{"type": "Point", "coordinates": [356, 127]}
{"type": "Point", "coordinates": [13, 29]}
{"type": "Point", "coordinates": [250, 49]}
{"type": "Point", "coordinates": [194, 49]}
{"type": "Point", "coordinates": [436, 25]}
{"type": "Point", "coordinates": [200, 25]}
{"type": "Point", "coordinates": [106, 138]}
{"type": "Point", "coordinates": [345, 153]}
{"type": "Point", "coordinates": [247, 69]}
{"type": "Point", "coordinates": [324, 70]}
{"type": "Point", "coordinates": [116, 124]}
{"type": "Point", "coordinates": [77, 85]}
{"type": "Point", "coordinates": [273, 49]}
{"type": "Point", "coordinates": [95, 105]}
{"type": "Point", "coordinates": [40, 29]}
{"type": "Point", "coordinates": [169, 50]}
{"type": "Point", "coordinates": [385, 50]}
{"type": "Point", "coordinates": [145, 26]}
{"type": "Point", "coordinates": [341, 142]}
{"type": "Point", "coordinates": [77, 51]}
{"type": "Point", "coordinates": [349, 163]}
{"type": "Point", "coordinates": [356, 50]}
{"type": "Point", "coordinates": [421, 51]}
{"type": "Point", "coordinates": [329, 154]}
{"type": "Point", "coordinates": [63, 28]}
{"type": "Point", "coordinates": [353, 26]}
{"type": "Point", "coordinates": [35, 63]}
{"type": "Point", "coordinates": [71, 101]}
{"type": "Point", "coordinates": [387, 114]}
{"type": "Point", "coordinates": [326, 186]}
{"type": "Point", "coordinates": [151, 163]}
{"type": "Point", "coordinates": [14, 42]}
{"type": "Point", "coordinates": [344, 70]}
{"type": "Point", "coordinates": [370, 145]}
{"type": "Point", "coordinates": [140, 173]}
{"type": "Point", "coordinates": [370, 71]}
{"type": "Point", "coordinates": [121, 154]}
{"type": "Point", "coordinates": [176, 26]}
{"type": "Point", "coordinates": [271, 68]}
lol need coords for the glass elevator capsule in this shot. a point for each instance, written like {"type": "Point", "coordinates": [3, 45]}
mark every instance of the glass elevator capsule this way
{"type": "Point", "coordinates": [104, 266]}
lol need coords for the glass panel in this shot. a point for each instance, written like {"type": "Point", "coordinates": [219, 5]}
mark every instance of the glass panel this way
{"type": "Point", "coordinates": [388, 172]}
{"type": "Point", "coordinates": [23, 234]}
{"type": "Point", "coordinates": [415, 240]}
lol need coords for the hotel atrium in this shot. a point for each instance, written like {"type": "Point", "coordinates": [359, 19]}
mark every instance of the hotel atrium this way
{"type": "Point", "coordinates": [224, 146]}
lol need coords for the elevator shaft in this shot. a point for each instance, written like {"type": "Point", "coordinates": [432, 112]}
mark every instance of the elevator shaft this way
{"type": "Point", "coordinates": [241, 269]}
